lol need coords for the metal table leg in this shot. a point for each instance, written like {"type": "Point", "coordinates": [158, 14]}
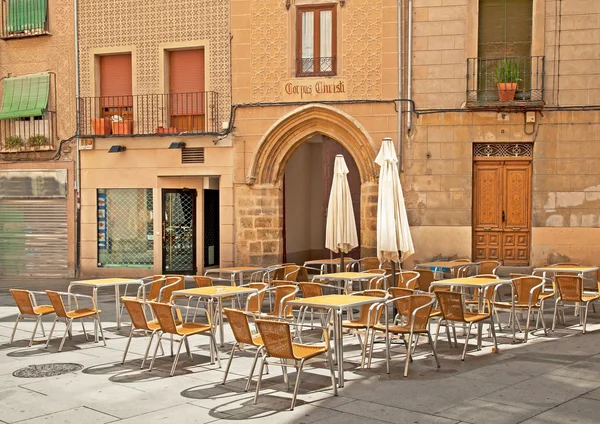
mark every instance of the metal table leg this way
{"type": "Point", "coordinates": [513, 312]}
{"type": "Point", "coordinates": [339, 346]}
{"type": "Point", "coordinates": [95, 298]}
{"type": "Point", "coordinates": [220, 312]}
{"type": "Point", "coordinates": [118, 306]}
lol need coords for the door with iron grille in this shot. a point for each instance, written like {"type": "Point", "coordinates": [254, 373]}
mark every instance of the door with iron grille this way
{"type": "Point", "coordinates": [179, 231]}
{"type": "Point", "coordinates": [502, 203]}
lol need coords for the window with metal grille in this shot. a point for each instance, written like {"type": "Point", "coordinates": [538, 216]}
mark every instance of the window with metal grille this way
{"type": "Point", "coordinates": [316, 41]}
{"type": "Point", "coordinates": [192, 155]}
{"type": "Point", "coordinates": [125, 228]}
{"type": "Point", "coordinates": [24, 18]}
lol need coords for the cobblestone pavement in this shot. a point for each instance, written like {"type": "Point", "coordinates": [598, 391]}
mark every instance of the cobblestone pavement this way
{"type": "Point", "coordinates": [552, 379]}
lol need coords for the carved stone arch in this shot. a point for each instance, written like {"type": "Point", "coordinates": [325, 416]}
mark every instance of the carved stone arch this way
{"type": "Point", "coordinates": [283, 138]}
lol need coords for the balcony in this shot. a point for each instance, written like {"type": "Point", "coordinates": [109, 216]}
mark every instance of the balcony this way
{"type": "Point", "coordinates": [28, 113]}
{"type": "Point", "coordinates": [24, 18]}
{"type": "Point", "coordinates": [149, 114]}
{"type": "Point", "coordinates": [315, 67]}
{"type": "Point", "coordinates": [483, 75]}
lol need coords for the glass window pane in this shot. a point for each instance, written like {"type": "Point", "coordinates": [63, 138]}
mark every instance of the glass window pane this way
{"type": "Point", "coordinates": [308, 39]}
{"type": "Point", "coordinates": [125, 228]}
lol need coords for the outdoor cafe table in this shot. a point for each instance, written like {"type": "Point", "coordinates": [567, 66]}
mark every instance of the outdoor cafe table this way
{"type": "Point", "coordinates": [580, 270]}
{"type": "Point", "coordinates": [347, 277]}
{"type": "Point", "coordinates": [440, 266]}
{"type": "Point", "coordinates": [213, 293]}
{"type": "Point", "coordinates": [331, 262]}
{"type": "Point", "coordinates": [337, 303]}
{"type": "Point", "coordinates": [107, 282]}
{"type": "Point", "coordinates": [482, 284]}
{"type": "Point", "coordinates": [233, 272]}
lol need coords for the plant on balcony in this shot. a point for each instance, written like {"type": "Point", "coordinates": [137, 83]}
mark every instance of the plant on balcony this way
{"type": "Point", "coordinates": [37, 141]}
{"type": "Point", "coordinates": [507, 79]}
{"type": "Point", "coordinates": [121, 126]}
{"type": "Point", "coordinates": [13, 142]}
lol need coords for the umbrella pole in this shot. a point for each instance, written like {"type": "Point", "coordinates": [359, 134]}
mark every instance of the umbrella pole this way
{"type": "Point", "coordinates": [342, 262]}
{"type": "Point", "coordinates": [393, 274]}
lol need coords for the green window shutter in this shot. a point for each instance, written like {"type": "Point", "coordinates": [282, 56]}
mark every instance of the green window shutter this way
{"type": "Point", "coordinates": [25, 96]}
{"type": "Point", "coordinates": [26, 15]}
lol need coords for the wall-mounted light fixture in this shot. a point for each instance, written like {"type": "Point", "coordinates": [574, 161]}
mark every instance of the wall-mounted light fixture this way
{"type": "Point", "coordinates": [116, 149]}
{"type": "Point", "coordinates": [288, 3]}
{"type": "Point", "coordinates": [177, 145]}
{"type": "Point", "coordinates": [342, 3]}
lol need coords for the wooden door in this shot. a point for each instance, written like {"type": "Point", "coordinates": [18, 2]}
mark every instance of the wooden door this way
{"type": "Point", "coordinates": [502, 211]}
{"type": "Point", "coordinates": [331, 148]}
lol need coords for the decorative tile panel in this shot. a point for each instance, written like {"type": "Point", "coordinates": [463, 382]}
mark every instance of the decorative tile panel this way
{"type": "Point", "coordinates": [146, 25]}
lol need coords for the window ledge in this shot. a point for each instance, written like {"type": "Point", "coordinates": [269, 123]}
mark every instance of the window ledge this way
{"type": "Point", "coordinates": [25, 34]}
{"type": "Point", "coordinates": [27, 149]}
{"type": "Point", "coordinates": [517, 105]}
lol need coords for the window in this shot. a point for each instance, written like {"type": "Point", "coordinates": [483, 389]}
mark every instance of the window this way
{"type": "Point", "coordinates": [316, 41]}
{"type": "Point", "coordinates": [504, 54]}
{"type": "Point", "coordinates": [186, 89]}
{"type": "Point", "coordinates": [125, 228]}
{"type": "Point", "coordinates": [23, 18]}
{"type": "Point", "coordinates": [26, 118]}
{"type": "Point", "coordinates": [116, 92]}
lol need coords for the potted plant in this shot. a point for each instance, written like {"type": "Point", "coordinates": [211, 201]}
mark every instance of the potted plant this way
{"type": "Point", "coordinates": [101, 126]}
{"type": "Point", "coordinates": [507, 78]}
{"type": "Point", "coordinates": [13, 142]}
{"type": "Point", "coordinates": [121, 126]}
{"type": "Point", "coordinates": [37, 141]}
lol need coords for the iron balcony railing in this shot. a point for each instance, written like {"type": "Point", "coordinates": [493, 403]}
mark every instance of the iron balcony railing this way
{"type": "Point", "coordinates": [24, 18]}
{"type": "Point", "coordinates": [315, 66]}
{"type": "Point", "coordinates": [484, 74]}
{"type": "Point", "coordinates": [30, 133]}
{"type": "Point", "coordinates": [149, 114]}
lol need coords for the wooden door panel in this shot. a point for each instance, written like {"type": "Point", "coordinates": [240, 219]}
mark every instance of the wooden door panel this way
{"type": "Point", "coordinates": [501, 211]}
{"type": "Point", "coordinates": [517, 177]}
{"type": "Point", "coordinates": [488, 195]}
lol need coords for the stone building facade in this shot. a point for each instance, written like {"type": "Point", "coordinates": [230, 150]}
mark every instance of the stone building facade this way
{"type": "Point", "coordinates": [37, 148]}
{"type": "Point", "coordinates": [155, 80]}
{"type": "Point", "coordinates": [527, 166]}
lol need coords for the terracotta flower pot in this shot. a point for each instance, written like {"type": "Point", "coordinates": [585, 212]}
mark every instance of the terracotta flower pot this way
{"type": "Point", "coordinates": [101, 126]}
{"type": "Point", "coordinates": [166, 130]}
{"type": "Point", "coordinates": [506, 91]}
{"type": "Point", "coordinates": [124, 127]}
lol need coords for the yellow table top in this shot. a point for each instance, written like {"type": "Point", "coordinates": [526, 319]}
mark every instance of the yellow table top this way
{"type": "Point", "coordinates": [235, 269]}
{"type": "Point", "coordinates": [214, 291]}
{"type": "Point", "coordinates": [475, 282]}
{"type": "Point", "coordinates": [330, 261]}
{"type": "Point", "coordinates": [445, 264]}
{"type": "Point", "coordinates": [107, 282]}
{"type": "Point", "coordinates": [347, 276]}
{"type": "Point", "coordinates": [336, 301]}
{"type": "Point", "coordinates": [567, 268]}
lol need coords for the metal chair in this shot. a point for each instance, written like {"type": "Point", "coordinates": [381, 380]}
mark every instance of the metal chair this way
{"type": "Point", "coordinates": [70, 315]}
{"type": "Point", "coordinates": [238, 320]}
{"type": "Point", "coordinates": [139, 323]}
{"type": "Point", "coordinates": [488, 267]}
{"type": "Point", "coordinates": [28, 309]}
{"type": "Point", "coordinates": [414, 312]}
{"type": "Point", "coordinates": [278, 343]}
{"type": "Point", "coordinates": [168, 325]}
{"type": "Point", "coordinates": [570, 289]}
{"type": "Point", "coordinates": [453, 309]}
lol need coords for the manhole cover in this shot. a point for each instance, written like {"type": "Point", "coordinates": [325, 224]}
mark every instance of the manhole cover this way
{"type": "Point", "coordinates": [46, 370]}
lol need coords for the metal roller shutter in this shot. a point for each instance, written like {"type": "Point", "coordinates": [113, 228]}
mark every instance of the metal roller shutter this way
{"type": "Point", "coordinates": [33, 237]}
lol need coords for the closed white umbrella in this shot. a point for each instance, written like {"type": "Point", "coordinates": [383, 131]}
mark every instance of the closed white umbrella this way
{"type": "Point", "coordinates": [340, 232]}
{"type": "Point", "coordinates": [394, 242]}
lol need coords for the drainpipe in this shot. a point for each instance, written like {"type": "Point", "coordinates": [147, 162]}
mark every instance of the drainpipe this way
{"type": "Point", "coordinates": [409, 64]}
{"type": "Point", "coordinates": [77, 152]}
{"type": "Point", "coordinates": [400, 88]}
